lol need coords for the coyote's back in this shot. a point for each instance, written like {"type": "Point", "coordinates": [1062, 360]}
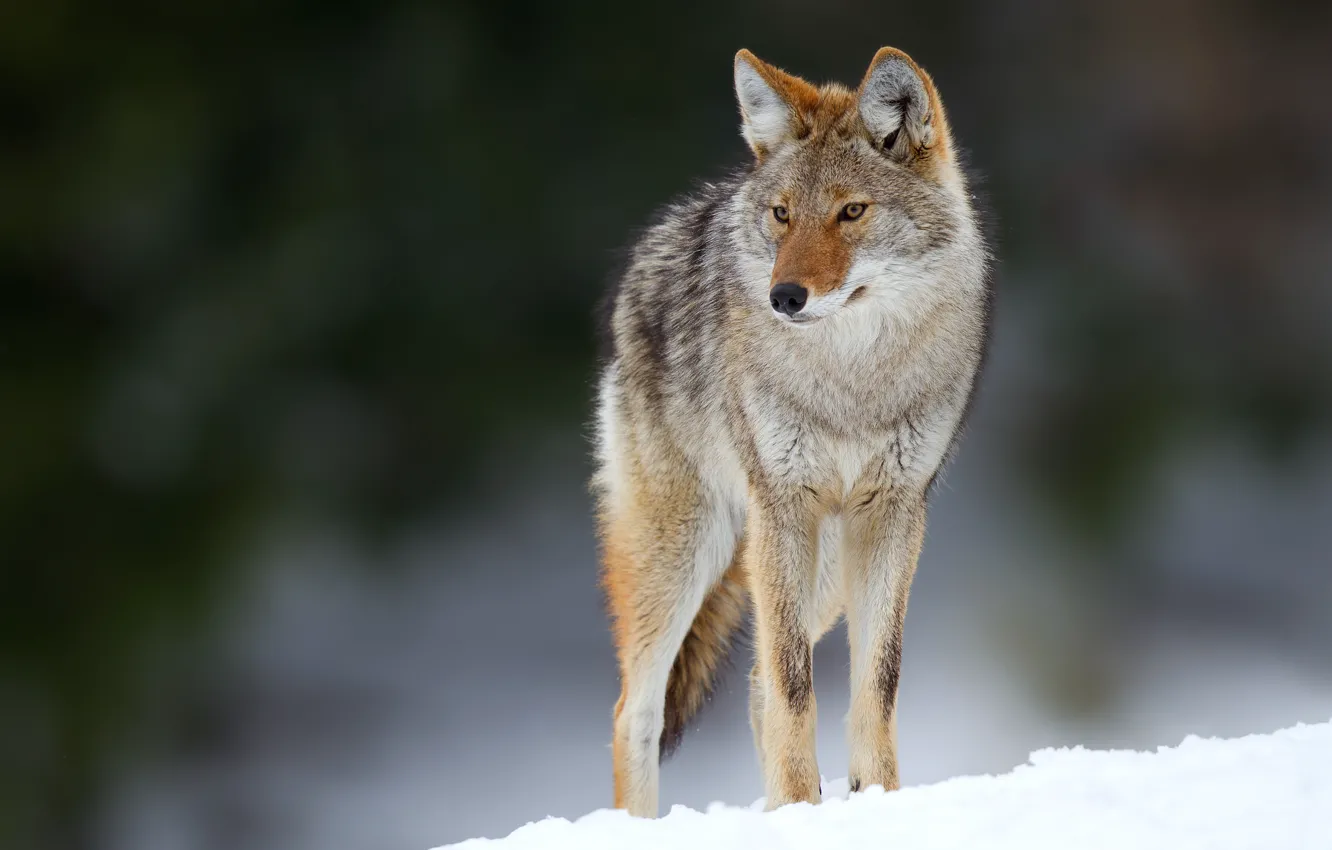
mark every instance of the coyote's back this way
{"type": "Point", "coordinates": [793, 352]}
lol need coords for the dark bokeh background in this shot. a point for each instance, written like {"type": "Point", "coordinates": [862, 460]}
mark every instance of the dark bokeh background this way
{"type": "Point", "coordinates": [296, 360]}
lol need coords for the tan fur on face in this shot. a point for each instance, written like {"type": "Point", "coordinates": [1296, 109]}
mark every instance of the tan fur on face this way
{"type": "Point", "coordinates": [814, 254]}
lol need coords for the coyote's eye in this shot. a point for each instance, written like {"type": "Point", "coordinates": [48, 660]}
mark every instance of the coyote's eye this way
{"type": "Point", "coordinates": [851, 212]}
{"type": "Point", "coordinates": [781, 214]}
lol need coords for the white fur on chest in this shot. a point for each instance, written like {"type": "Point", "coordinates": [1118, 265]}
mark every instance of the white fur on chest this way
{"type": "Point", "coordinates": [797, 453]}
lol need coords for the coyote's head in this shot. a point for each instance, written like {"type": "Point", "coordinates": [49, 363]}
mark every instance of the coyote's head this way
{"type": "Point", "coordinates": [856, 198]}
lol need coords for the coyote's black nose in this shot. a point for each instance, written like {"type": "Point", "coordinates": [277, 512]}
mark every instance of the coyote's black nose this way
{"type": "Point", "coordinates": [788, 298]}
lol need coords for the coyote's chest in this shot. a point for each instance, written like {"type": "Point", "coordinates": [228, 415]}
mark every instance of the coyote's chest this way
{"type": "Point", "coordinates": [865, 424]}
{"type": "Point", "coordinates": [798, 449]}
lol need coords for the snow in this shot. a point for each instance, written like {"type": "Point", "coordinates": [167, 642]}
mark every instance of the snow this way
{"type": "Point", "coordinates": [1272, 792]}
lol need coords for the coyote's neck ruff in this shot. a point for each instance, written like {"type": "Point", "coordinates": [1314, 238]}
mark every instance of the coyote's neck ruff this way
{"type": "Point", "coordinates": [794, 352]}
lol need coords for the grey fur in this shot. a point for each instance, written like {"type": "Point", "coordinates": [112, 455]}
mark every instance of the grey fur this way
{"type": "Point", "coordinates": [773, 427]}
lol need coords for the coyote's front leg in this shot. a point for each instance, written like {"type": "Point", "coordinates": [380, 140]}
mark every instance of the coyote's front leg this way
{"type": "Point", "coordinates": [884, 530]}
{"type": "Point", "coordinates": [781, 557]}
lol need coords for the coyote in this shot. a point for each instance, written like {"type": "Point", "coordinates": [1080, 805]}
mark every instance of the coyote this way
{"type": "Point", "coordinates": [794, 350]}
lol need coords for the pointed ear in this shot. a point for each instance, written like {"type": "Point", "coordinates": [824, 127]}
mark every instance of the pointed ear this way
{"type": "Point", "coordinates": [901, 109]}
{"type": "Point", "coordinates": [772, 103]}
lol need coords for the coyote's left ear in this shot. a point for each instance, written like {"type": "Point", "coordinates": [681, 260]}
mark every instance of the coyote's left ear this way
{"type": "Point", "coordinates": [900, 108]}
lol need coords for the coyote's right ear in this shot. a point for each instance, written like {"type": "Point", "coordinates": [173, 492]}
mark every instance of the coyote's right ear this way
{"type": "Point", "coordinates": [772, 103]}
{"type": "Point", "coordinates": [900, 108]}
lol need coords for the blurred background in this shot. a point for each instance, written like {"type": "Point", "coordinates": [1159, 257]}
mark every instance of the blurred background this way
{"type": "Point", "coordinates": [297, 352]}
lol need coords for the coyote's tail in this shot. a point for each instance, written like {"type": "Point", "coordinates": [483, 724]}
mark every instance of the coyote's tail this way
{"type": "Point", "coordinates": [703, 652]}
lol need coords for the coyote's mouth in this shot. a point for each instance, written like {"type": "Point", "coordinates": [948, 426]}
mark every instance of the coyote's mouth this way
{"type": "Point", "coordinates": [824, 307]}
{"type": "Point", "coordinates": [798, 320]}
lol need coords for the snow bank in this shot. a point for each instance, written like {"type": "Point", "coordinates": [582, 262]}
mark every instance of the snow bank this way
{"type": "Point", "coordinates": [1268, 792]}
